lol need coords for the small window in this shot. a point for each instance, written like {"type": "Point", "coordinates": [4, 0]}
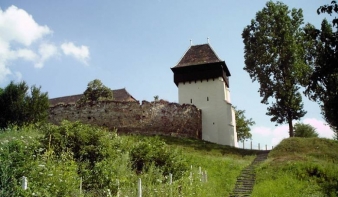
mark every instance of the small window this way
{"type": "Point", "coordinates": [190, 100]}
{"type": "Point", "coordinates": [207, 98]}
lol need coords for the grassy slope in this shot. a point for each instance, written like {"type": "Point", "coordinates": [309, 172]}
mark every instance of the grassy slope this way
{"type": "Point", "coordinates": [300, 167]}
{"type": "Point", "coordinates": [296, 167]}
{"type": "Point", "coordinates": [222, 163]}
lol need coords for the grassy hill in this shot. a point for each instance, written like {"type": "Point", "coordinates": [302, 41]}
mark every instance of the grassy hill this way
{"type": "Point", "coordinates": [300, 167]}
{"type": "Point", "coordinates": [58, 159]}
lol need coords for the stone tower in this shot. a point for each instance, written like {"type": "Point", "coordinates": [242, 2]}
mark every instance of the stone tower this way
{"type": "Point", "coordinates": [203, 80]}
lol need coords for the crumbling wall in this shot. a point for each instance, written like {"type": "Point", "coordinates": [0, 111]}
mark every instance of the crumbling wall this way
{"type": "Point", "coordinates": [161, 117]}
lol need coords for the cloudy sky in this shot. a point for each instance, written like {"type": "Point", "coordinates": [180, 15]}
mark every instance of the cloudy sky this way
{"type": "Point", "coordinates": [62, 45]}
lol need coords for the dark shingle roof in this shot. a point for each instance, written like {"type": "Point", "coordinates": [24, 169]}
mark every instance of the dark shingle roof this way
{"type": "Point", "coordinates": [118, 95]}
{"type": "Point", "coordinates": [122, 95]}
{"type": "Point", "coordinates": [199, 54]}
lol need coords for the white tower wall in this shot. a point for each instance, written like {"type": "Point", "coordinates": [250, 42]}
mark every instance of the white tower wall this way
{"type": "Point", "coordinates": [213, 98]}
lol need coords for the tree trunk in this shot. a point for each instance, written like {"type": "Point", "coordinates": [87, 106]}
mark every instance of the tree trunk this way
{"type": "Point", "coordinates": [290, 127]}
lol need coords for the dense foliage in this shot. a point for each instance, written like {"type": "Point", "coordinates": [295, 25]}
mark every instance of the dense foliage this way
{"type": "Point", "coordinates": [274, 56]}
{"type": "Point", "coordinates": [243, 125]}
{"type": "Point", "coordinates": [20, 106]}
{"type": "Point", "coordinates": [96, 91]}
{"type": "Point", "coordinates": [304, 130]}
{"type": "Point", "coordinates": [323, 57]}
{"type": "Point", "coordinates": [60, 156]}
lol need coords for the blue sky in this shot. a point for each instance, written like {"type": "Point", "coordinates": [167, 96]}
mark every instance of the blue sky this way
{"type": "Point", "coordinates": [62, 45]}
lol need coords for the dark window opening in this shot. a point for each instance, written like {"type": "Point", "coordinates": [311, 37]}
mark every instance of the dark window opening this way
{"type": "Point", "coordinates": [190, 100]}
{"type": "Point", "coordinates": [207, 98]}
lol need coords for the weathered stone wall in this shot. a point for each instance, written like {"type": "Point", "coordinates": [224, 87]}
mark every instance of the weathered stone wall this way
{"type": "Point", "coordinates": [160, 118]}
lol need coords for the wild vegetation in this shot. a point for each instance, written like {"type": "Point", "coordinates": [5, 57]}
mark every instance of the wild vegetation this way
{"type": "Point", "coordinates": [56, 159]}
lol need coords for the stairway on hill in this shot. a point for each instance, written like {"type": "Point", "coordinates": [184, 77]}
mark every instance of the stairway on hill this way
{"type": "Point", "coordinates": [246, 180]}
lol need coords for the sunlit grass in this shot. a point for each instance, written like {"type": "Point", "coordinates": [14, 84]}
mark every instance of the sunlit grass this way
{"type": "Point", "coordinates": [299, 167]}
{"type": "Point", "coordinates": [41, 163]}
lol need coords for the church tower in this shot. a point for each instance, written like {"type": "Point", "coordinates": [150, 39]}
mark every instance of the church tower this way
{"type": "Point", "coordinates": [203, 80]}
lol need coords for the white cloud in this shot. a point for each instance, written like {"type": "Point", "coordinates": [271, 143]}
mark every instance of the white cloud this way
{"type": "Point", "coordinates": [17, 25]}
{"type": "Point", "coordinates": [80, 53]}
{"type": "Point", "coordinates": [19, 36]}
{"type": "Point", "coordinates": [46, 52]}
{"type": "Point", "coordinates": [279, 133]}
{"type": "Point", "coordinates": [263, 131]}
{"type": "Point", "coordinates": [4, 71]}
{"type": "Point", "coordinates": [25, 54]}
{"type": "Point", "coordinates": [18, 28]}
{"type": "Point", "coordinates": [269, 136]}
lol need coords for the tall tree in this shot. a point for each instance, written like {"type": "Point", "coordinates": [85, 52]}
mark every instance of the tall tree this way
{"type": "Point", "coordinates": [18, 105]}
{"type": "Point", "coordinates": [96, 91]}
{"type": "Point", "coordinates": [243, 125]}
{"type": "Point", "coordinates": [274, 56]}
{"type": "Point", "coordinates": [323, 58]}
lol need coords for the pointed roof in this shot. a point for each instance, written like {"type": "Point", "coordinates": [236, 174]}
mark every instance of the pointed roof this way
{"type": "Point", "coordinates": [199, 54]}
{"type": "Point", "coordinates": [122, 95]}
{"type": "Point", "coordinates": [118, 95]}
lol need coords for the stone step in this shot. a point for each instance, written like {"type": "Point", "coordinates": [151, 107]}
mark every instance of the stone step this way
{"type": "Point", "coordinates": [246, 180]}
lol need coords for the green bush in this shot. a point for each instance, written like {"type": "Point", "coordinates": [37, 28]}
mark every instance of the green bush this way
{"type": "Point", "coordinates": [87, 143]}
{"type": "Point", "coordinates": [17, 156]}
{"type": "Point", "coordinates": [154, 151]}
{"type": "Point", "coordinates": [304, 130]}
{"type": "Point", "coordinates": [55, 159]}
{"type": "Point", "coordinates": [54, 176]}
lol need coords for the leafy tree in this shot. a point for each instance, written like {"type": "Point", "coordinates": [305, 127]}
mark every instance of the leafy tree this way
{"type": "Point", "coordinates": [323, 58]}
{"type": "Point", "coordinates": [335, 136]}
{"type": "Point", "coordinates": [96, 91]}
{"type": "Point", "coordinates": [243, 125]}
{"type": "Point", "coordinates": [18, 105]}
{"type": "Point", "coordinates": [304, 130]}
{"type": "Point", "coordinates": [274, 56]}
{"type": "Point", "coordinates": [330, 9]}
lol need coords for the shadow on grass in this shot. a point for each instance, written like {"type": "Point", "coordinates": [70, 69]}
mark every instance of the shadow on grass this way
{"type": "Point", "coordinates": [208, 146]}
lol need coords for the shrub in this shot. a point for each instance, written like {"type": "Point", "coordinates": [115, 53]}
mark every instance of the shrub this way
{"type": "Point", "coordinates": [154, 151]}
{"type": "Point", "coordinates": [304, 130]}
{"type": "Point", "coordinates": [87, 143]}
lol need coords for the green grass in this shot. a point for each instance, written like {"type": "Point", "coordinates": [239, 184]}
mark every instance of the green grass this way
{"type": "Point", "coordinates": [299, 167]}
{"type": "Point", "coordinates": [296, 167]}
{"type": "Point", "coordinates": [222, 163]}
{"type": "Point", "coordinates": [53, 168]}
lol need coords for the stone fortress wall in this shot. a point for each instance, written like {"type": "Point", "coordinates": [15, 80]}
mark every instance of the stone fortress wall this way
{"type": "Point", "coordinates": [150, 118]}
